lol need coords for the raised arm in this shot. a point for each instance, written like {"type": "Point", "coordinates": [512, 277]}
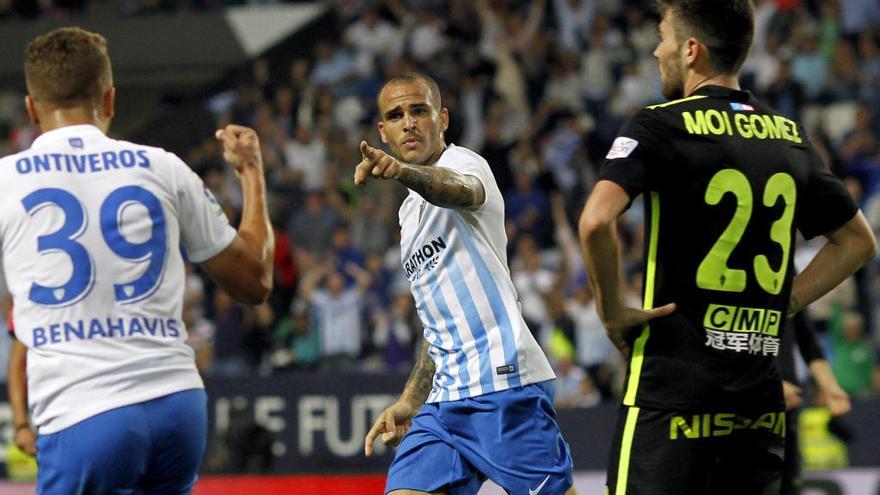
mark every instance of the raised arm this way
{"type": "Point", "coordinates": [244, 268]}
{"type": "Point", "coordinates": [362, 277]}
{"type": "Point", "coordinates": [565, 237]}
{"type": "Point", "coordinates": [439, 186]}
{"type": "Point", "coordinates": [393, 423]}
{"type": "Point", "coordinates": [311, 278]}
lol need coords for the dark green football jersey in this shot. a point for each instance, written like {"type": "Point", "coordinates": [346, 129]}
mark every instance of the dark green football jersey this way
{"type": "Point", "coordinates": [727, 182]}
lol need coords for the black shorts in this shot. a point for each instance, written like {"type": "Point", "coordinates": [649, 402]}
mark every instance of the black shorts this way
{"type": "Point", "coordinates": [658, 452]}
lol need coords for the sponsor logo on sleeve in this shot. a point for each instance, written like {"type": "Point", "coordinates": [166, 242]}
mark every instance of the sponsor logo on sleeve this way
{"type": "Point", "coordinates": [622, 147]}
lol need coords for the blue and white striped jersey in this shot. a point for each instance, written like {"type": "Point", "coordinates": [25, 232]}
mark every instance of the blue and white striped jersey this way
{"type": "Point", "coordinates": [456, 262]}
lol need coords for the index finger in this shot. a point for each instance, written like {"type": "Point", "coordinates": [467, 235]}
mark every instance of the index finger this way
{"type": "Point", "coordinates": [372, 435]}
{"type": "Point", "coordinates": [369, 153]}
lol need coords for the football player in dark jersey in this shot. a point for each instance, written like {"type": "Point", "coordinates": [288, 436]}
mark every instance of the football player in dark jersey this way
{"type": "Point", "coordinates": [727, 182]}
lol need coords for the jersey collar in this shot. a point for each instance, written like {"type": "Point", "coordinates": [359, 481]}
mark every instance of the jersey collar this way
{"type": "Point", "coordinates": [84, 132]}
{"type": "Point", "coordinates": [722, 92]}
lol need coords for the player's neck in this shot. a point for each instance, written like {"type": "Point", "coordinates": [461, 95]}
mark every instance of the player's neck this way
{"type": "Point", "coordinates": [57, 118]}
{"type": "Point", "coordinates": [436, 156]}
{"type": "Point", "coordinates": [697, 80]}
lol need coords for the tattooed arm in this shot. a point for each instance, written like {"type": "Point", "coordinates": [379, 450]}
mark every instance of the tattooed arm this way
{"type": "Point", "coordinates": [442, 186]}
{"type": "Point", "coordinates": [439, 186]}
{"type": "Point", "coordinates": [393, 423]}
{"type": "Point", "coordinates": [418, 385]}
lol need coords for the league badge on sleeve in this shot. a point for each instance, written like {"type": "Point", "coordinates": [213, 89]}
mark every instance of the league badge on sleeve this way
{"type": "Point", "coordinates": [622, 147]}
{"type": "Point", "coordinates": [213, 200]}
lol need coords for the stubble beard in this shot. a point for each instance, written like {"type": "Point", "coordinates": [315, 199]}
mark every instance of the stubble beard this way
{"type": "Point", "coordinates": [673, 83]}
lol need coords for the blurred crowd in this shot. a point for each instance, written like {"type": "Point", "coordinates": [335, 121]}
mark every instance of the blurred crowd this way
{"type": "Point", "coordinates": [540, 89]}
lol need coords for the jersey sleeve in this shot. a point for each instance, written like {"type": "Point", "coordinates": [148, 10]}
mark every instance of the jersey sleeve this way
{"type": "Point", "coordinates": [826, 204]}
{"type": "Point", "coordinates": [204, 228]}
{"type": "Point", "coordinates": [634, 152]}
{"type": "Point", "coordinates": [472, 166]}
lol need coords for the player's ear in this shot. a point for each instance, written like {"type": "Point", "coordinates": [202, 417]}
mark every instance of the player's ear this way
{"type": "Point", "coordinates": [108, 103]}
{"type": "Point", "coordinates": [31, 106]}
{"type": "Point", "coordinates": [693, 49]}
{"type": "Point", "coordinates": [444, 119]}
{"type": "Point", "coordinates": [382, 132]}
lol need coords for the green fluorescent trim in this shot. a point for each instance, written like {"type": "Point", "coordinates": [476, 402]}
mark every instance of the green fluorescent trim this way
{"type": "Point", "coordinates": [635, 364]}
{"type": "Point", "coordinates": [673, 102]}
{"type": "Point", "coordinates": [629, 430]}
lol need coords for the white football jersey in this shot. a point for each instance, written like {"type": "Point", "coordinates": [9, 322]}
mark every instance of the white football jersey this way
{"type": "Point", "coordinates": [91, 231]}
{"type": "Point", "coordinates": [456, 262]}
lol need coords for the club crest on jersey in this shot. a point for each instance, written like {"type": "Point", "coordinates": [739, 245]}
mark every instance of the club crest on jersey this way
{"type": "Point", "coordinates": [76, 142]}
{"type": "Point", "coordinates": [742, 107]}
{"type": "Point", "coordinates": [622, 147]}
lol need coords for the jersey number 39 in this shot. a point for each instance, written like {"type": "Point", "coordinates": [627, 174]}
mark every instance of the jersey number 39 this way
{"type": "Point", "coordinates": [152, 251]}
{"type": "Point", "coordinates": [713, 272]}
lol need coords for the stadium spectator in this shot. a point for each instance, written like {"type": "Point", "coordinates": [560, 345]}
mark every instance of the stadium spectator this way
{"type": "Point", "coordinates": [428, 37]}
{"type": "Point", "coordinates": [528, 210]}
{"type": "Point", "coordinates": [574, 387]}
{"type": "Point", "coordinates": [809, 67]}
{"type": "Point", "coordinates": [395, 336]}
{"type": "Point", "coordinates": [337, 312]}
{"type": "Point", "coordinates": [233, 325]}
{"type": "Point", "coordinates": [306, 155]}
{"type": "Point", "coordinates": [854, 360]}
{"type": "Point", "coordinates": [297, 344]}
{"type": "Point", "coordinates": [313, 225]}
{"type": "Point", "coordinates": [533, 282]}
{"type": "Point", "coordinates": [374, 40]}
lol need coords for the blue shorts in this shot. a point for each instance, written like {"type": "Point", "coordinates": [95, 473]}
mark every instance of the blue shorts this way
{"type": "Point", "coordinates": [510, 437]}
{"type": "Point", "coordinates": [152, 447]}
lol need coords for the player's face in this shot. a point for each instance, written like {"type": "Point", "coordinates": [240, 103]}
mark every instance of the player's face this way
{"type": "Point", "coordinates": [412, 123]}
{"type": "Point", "coordinates": [668, 54]}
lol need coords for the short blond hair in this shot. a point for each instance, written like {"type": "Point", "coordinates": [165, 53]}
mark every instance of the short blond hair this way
{"type": "Point", "coordinates": [68, 67]}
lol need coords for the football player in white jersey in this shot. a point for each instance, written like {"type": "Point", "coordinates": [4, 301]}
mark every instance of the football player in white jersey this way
{"type": "Point", "coordinates": [91, 231]}
{"type": "Point", "coordinates": [478, 403]}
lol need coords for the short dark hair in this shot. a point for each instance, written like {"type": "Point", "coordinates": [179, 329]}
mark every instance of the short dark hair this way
{"type": "Point", "coordinates": [416, 76]}
{"type": "Point", "coordinates": [67, 67]}
{"type": "Point", "coordinates": [726, 27]}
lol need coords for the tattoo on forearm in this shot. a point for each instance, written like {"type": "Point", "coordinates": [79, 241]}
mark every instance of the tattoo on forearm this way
{"type": "Point", "coordinates": [441, 186]}
{"type": "Point", "coordinates": [418, 386]}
